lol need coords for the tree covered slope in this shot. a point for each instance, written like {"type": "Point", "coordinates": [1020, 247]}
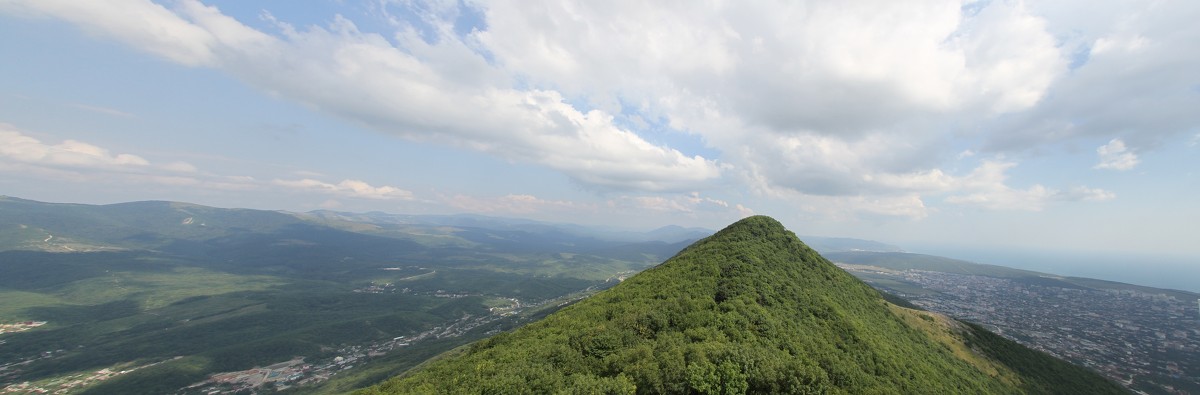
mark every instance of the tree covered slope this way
{"type": "Point", "coordinates": [750, 309]}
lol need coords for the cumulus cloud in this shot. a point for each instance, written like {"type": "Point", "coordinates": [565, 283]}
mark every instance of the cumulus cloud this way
{"type": "Point", "coordinates": [1131, 78]}
{"type": "Point", "coordinates": [18, 147]}
{"type": "Point", "coordinates": [857, 101]}
{"type": "Point", "coordinates": [828, 67]}
{"type": "Point", "coordinates": [439, 90]}
{"type": "Point", "coordinates": [802, 99]}
{"type": "Point", "coordinates": [986, 188]}
{"type": "Point", "coordinates": [157, 29]}
{"type": "Point", "coordinates": [78, 161]}
{"type": "Point", "coordinates": [1115, 156]}
{"type": "Point", "coordinates": [849, 208]}
{"type": "Point", "coordinates": [182, 167]}
{"type": "Point", "coordinates": [104, 110]}
{"type": "Point", "coordinates": [511, 204]}
{"type": "Point", "coordinates": [689, 204]}
{"type": "Point", "coordinates": [1034, 198]}
{"type": "Point", "coordinates": [349, 188]}
{"type": "Point", "coordinates": [633, 209]}
{"type": "Point", "coordinates": [83, 162]}
{"type": "Point", "coordinates": [851, 105]}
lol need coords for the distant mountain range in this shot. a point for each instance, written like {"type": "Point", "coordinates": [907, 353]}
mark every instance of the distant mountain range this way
{"type": "Point", "coordinates": [153, 224]}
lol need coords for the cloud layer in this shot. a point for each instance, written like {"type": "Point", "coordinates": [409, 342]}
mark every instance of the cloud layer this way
{"type": "Point", "coordinates": [857, 107]}
{"type": "Point", "coordinates": [79, 161]}
{"type": "Point", "coordinates": [443, 92]}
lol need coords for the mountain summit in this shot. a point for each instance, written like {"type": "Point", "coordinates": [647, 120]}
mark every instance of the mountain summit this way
{"type": "Point", "coordinates": [750, 309]}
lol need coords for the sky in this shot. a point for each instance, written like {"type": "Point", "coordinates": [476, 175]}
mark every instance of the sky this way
{"type": "Point", "coordinates": [1047, 125]}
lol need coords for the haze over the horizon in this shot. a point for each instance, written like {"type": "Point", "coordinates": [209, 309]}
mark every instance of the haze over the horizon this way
{"type": "Point", "coordinates": [1061, 125]}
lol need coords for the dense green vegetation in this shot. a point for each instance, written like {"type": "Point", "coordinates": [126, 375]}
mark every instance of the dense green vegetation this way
{"type": "Point", "coordinates": [750, 309]}
{"type": "Point", "coordinates": [1043, 374]}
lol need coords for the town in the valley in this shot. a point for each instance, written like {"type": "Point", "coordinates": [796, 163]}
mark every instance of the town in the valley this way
{"type": "Point", "coordinates": [1148, 342]}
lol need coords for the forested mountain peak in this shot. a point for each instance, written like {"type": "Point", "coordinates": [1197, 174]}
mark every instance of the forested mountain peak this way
{"type": "Point", "coordinates": [750, 309]}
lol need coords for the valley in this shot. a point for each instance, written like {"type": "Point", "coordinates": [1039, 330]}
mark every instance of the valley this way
{"type": "Point", "coordinates": [171, 293]}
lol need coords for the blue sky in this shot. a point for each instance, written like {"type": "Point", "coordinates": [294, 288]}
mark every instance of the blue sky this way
{"type": "Point", "coordinates": [1058, 125]}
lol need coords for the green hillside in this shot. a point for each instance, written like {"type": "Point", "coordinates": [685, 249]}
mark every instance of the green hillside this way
{"type": "Point", "coordinates": [750, 309]}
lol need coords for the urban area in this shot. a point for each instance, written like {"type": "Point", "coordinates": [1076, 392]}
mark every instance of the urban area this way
{"type": "Point", "coordinates": [1142, 340]}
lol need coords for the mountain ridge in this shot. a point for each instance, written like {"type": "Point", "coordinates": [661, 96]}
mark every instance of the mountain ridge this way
{"type": "Point", "coordinates": [748, 309]}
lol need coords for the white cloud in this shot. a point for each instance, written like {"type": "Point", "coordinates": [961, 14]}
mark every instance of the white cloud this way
{"type": "Point", "coordinates": [904, 194]}
{"type": "Point", "coordinates": [692, 204]}
{"type": "Point", "coordinates": [16, 146]}
{"type": "Point", "coordinates": [81, 162]}
{"type": "Point", "coordinates": [512, 204]}
{"type": "Point", "coordinates": [813, 98]}
{"type": "Point", "coordinates": [848, 105]}
{"type": "Point", "coordinates": [1115, 156]}
{"type": "Point", "coordinates": [1081, 193]}
{"type": "Point", "coordinates": [846, 208]}
{"type": "Point", "coordinates": [851, 100]}
{"type": "Point", "coordinates": [820, 66]}
{"type": "Point", "coordinates": [104, 110]}
{"type": "Point", "coordinates": [1033, 199]}
{"type": "Point", "coordinates": [140, 23]}
{"type": "Point", "coordinates": [986, 188]}
{"type": "Point", "coordinates": [1132, 76]}
{"type": "Point", "coordinates": [349, 188]}
{"type": "Point", "coordinates": [652, 203]}
{"type": "Point", "coordinates": [743, 211]}
{"type": "Point", "coordinates": [633, 209]}
{"type": "Point", "coordinates": [182, 167]}
{"type": "Point", "coordinates": [811, 68]}
{"type": "Point", "coordinates": [444, 91]}
{"type": "Point", "coordinates": [85, 163]}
